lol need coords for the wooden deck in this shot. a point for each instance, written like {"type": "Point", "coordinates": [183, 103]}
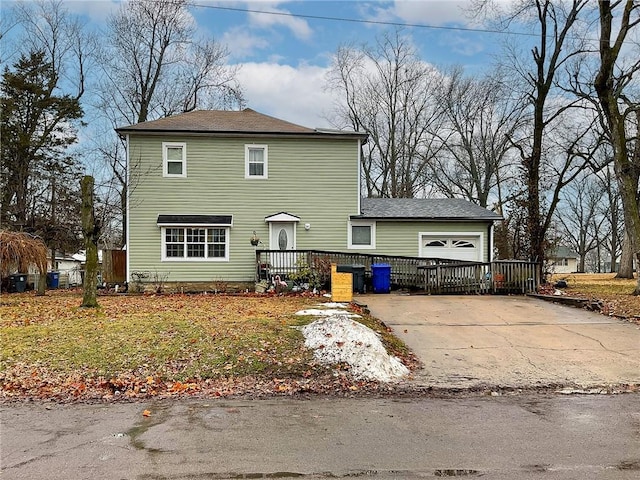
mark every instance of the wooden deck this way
{"type": "Point", "coordinates": [429, 275]}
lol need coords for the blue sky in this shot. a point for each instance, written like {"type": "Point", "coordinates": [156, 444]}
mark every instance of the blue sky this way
{"type": "Point", "coordinates": [283, 59]}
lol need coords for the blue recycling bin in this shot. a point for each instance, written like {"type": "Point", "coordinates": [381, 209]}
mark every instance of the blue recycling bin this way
{"type": "Point", "coordinates": [53, 279]}
{"type": "Point", "coordinates": [381, 277]}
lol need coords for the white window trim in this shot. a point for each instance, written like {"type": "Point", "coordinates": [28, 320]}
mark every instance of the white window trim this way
{"type": "Point", "coordinates": [265, 149]}
{"type": "Point", "coordinates": [362, 223]}
{"type": "Point", "coordinates": [163, 252]}
{"type": "Point", "coordinates": [478, 234]}
{"type": "Point", "coordinates": [165, 160]}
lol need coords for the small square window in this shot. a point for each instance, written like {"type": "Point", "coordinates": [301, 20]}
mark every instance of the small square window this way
{"type": "Point", "coordinates": [256, 161]}
{"type": "Point", "coordinates": [175, 250]}
{"type": "Point", "coordinates": [362, 235]}
{"type": "Point", "coordinates": [174, 168]}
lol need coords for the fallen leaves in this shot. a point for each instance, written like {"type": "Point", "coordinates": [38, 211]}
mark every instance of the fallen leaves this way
{"type": "Point", "coordinates": [137, 347]}
{"type": "Point", "coordinates": [179, 387]}
{"type": "Point", "coordinates": [614, 294]}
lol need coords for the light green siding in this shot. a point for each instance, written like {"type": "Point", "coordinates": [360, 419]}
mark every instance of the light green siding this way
{"type": "Point", "coordinates": [314, 179]}
{"type": "Point", "coordinates": [402, 237]}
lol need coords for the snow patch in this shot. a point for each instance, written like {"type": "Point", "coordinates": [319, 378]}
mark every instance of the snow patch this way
{"type": "Point", "coordinates": [316, 312]}
{"type": "Point", "coordinates": [338, 339]}
{"type": "Point", "coordinates": [333, 305]}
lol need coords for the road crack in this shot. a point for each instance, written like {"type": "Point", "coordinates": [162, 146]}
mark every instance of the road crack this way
{"type": "Point", "coordinates": [521, 353]}
{"type": "Point", "coordinates": [595, 340]}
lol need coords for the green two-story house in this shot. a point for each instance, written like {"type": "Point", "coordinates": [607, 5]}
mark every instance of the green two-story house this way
{"type": "Point", "coordinates": [208, 188]}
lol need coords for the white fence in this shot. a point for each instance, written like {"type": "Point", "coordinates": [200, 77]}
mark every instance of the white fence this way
{"type": "Point", "coordinates": [67, 278]}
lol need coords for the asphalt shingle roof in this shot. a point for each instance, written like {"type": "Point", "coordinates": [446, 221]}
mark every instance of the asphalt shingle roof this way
{"type": "Point", "coordinates": [424, 209]}
{"type": "Point", "coordinates": [195, 219]}
{"type": "Point", "coordinates": [563, 252]}
{"type": "Point", "coordinates": [245, 121]}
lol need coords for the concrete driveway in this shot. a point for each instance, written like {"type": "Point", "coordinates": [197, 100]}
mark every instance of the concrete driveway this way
{"type": "Point", "coordinates": [510, 341]}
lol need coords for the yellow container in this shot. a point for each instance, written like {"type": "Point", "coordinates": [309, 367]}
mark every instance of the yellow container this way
{"type": "Point", "coordinates": [341, 285]}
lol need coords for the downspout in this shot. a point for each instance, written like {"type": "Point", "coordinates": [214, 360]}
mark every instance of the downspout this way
{"type": "Point", "coordinates": [359, 171]}
{"type": "Point", "coordinates": [490, 243]}
{"type": "Point", "coordinates": [127, 242]}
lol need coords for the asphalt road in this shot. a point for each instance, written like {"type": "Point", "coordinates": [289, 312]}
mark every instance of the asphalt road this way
{"type": "Point", "coordinates": [510, 437]}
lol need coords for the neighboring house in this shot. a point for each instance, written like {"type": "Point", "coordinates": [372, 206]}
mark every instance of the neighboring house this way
{"type": "Point", "coordinates": [563, 260]}
{"type": "Point", "coordinates": [69, 267]}
{"type": "Point", "coordinates": [201, 184]}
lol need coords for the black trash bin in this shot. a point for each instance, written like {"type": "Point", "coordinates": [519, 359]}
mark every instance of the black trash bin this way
{"type": "Point", "coordinates": [357, 273]}
{"type": "Point", "coordinates": [17, 283]}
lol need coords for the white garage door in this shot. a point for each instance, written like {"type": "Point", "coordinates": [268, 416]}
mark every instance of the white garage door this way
{"type": "Point", "coordinates": [455, 248]}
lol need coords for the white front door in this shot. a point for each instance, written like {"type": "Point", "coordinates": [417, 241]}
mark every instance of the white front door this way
{"type": "Point", "coordinates": [282, 237]}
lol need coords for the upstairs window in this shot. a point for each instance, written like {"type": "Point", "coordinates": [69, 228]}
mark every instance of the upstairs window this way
{"type": "Point", "coordinates": [174, 159]}
{"type": "Point", "coordinates": [255, 161]}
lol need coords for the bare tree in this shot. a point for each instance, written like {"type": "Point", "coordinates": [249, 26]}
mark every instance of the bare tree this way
{"type": "Point", "coordinates": [481, 118]}
{"type": "Point", "coordinates": [390, 93]}
{"type": "Point", "coordinates": [611, 82]}
{"type": "Point", "coordinates": [155, 66]}
{"type": "Point", "coordinates": [555, 46]}
{"type": "Point", "coordinates": [48, 27]}
{"type": "Point", "coordinates": [627, 257]}
{"type": "Point", "coordinates": [582, 216]}
{"type": "Point", "coordinates": [613, 217]}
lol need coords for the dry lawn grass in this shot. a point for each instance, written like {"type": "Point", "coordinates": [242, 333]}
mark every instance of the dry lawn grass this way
{"type": "Point", "coordinates": [148, 345]}
{"type": "Point", "coordinates": [617, 294]}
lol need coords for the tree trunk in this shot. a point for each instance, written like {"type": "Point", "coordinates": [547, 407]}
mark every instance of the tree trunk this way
{"type": "Point", "coordinates": [629, 187]}
{"type": "Point", "coordinates": [582, 262]}
{"type": "Point", "coordinates": [609, 93]}
{"type": "Point", "coordinates": [626, 259]}
{"type": "Point", "coordinates": [42, 283]}
{"type": "Point", "coordinates": [91, 231]}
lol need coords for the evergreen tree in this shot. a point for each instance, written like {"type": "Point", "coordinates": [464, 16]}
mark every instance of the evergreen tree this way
{"type": "Point", "coordinates": [37, 127]}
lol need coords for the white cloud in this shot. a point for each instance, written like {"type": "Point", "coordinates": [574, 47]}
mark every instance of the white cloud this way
{"type": "Point", "coordinates": [467, 46]}
{"type": "Point", "coordinates": [432, 12]}
{"type": "Point", "coordinates": [242, 43]}
{"type": "Point", "coordinates": [262, 31]}
{"type": "Point", "coordinates": [298, 26]}
{"type": "Point", "coordinates": [429, 12]}
{"type": "Point", "coordinates": [295, 94]}
{"type": "Point", "coordinates": [96, 10]}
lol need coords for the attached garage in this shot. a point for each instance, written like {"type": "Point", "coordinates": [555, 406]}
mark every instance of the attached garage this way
{"type": "Point", "coordinates": [448, 228]}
